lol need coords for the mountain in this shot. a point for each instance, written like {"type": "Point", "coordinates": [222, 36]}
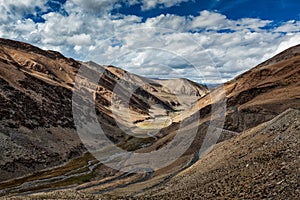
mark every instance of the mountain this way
{"type": "Point", "coordinates": [36, 122]}
{"type": "Point", "coordinates": [251, 99]}
{"type": "Point", "coordinates": [261, 163]}
{"type": "Point", "coordinates": [264, 91]}
{"type": "Point", "coordinates": [182, 86]}
{"type": "Point", "coordinates": [247, 127]}
{"type": "Point", "coordinates": [257, 95]}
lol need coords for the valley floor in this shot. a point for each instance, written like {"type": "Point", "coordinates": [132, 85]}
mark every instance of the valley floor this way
{"type": "Point", "coordinates": [260, 163]}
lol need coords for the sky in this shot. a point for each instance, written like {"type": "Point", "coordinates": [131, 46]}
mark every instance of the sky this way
{"type": "Point", "coordinates": [208, 41]}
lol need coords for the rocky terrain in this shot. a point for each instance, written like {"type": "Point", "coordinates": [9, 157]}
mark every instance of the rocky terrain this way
{"type": "Point", "coordinates": [261, 163]}
{"type": "Point", "coordinates": [258, 95]}
{"type": "Point", "coordinates": [257, 132]}
{"type": "Point", "coordinates": [36, 125]}
{"type": "Point", "coordinates": [36, 122]}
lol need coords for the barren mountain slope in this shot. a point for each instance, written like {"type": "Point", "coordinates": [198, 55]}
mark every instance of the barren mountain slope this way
{"type": "Point", "coordinates": [36, 124]}
{"type": "Point", "coordinates": [251, 103]}
{"type": "Point", "coordinates": [257, 95]}
{"type": "Point", "coordinates": [36, 88]}
{"type": "Point", "coordinates": [36, 121]}
{"type": "Point", "coordinates": [264, 91]}
{"type": "Point", "coordinates": [262, 162]}
{"type": "Point", "coordinates": [182, 86]}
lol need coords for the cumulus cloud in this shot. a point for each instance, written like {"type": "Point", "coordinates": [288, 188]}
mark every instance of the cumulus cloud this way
{"type": "Point", "coordinates": [92, 6]}
{"type": "Point", "coordinates": [209, 20]}
{"type": "Point", "coordinates": [290, 40]}
{"type": "Point", "coordinates": [150, 4]}
{"type": "Point", "coordinates": [104, 6]}
{"type": "Point", "coordinates": [290, 26]}
{"type": "Point", "coordinates": [13, 10]}
{"type": "Point", "coordinates": [80, 39]}
{"type": "Point", "coordinates": [206, 48]}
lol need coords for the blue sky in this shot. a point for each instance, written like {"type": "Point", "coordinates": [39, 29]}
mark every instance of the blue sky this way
{"type": "Point", "coordinates": [208, 41]}
{"type": "Point", "coordinates": [277, 10]}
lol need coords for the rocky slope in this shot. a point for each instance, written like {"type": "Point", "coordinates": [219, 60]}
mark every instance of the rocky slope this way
{"type": "Point", "coordinates": [36, 109]}
{"type": "Point", "coordinates": [36, 117]}
{"type": "Point", "coordinates": [258, 95]}
{"type": "Point", "coordinates": [264, 91]}
{"type": "Point", "coordinates": [36, 121]}
{"type": "Point", "coordinates": [252, 98]}
{"type": "Point", "coordinates": [182, 86]}
{"type": "Point", "coordinates": [261, 163]}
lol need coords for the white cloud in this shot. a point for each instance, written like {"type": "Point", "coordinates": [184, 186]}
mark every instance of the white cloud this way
{"type": "Point", "coordinates": [290, 40]}
{"type": "Point", "coordinates": [94, 6]}
{"type": "Point", "coordinates": [12, 10]}
{"type": "Point", "coordinates": [77, 48]}
{"type": "Point", "coordinates": [290, 26]}
{"type": "Point", "coordinates": [150, 4]}
{"type": "Point", "coordinates": [80, 39]}
{"type": "Point", "coordinates": [253, 24]}
{"type": "Point", "coordinates": [180, 46]}
{"type": "Point", "coordinates": [174, 22]}
{"type": "Point", "coordinates": [208, 20]}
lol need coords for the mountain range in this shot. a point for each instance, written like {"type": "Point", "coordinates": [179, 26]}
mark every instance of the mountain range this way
{"type": "Point", "coordinates": [245, 132]}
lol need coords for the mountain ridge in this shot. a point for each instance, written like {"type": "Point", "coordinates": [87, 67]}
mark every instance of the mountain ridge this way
{"type": "Point", "coordinates": [36, 94]}
{"type": "Point", "coordinates": [43, 152]}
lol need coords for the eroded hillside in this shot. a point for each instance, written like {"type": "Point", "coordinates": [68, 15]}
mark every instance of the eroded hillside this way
{"type": "Point", "coordinates": [40, 143]}
{"type": "Point", "coordinates": [37, 126]}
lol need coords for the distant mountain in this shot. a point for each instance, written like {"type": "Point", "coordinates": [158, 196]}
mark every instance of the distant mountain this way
{"type": "Point", "coordinates": [183, 86]}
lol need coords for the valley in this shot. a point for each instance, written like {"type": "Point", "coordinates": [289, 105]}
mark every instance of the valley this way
{"type": "Point", "coordinates": [238, 140]}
